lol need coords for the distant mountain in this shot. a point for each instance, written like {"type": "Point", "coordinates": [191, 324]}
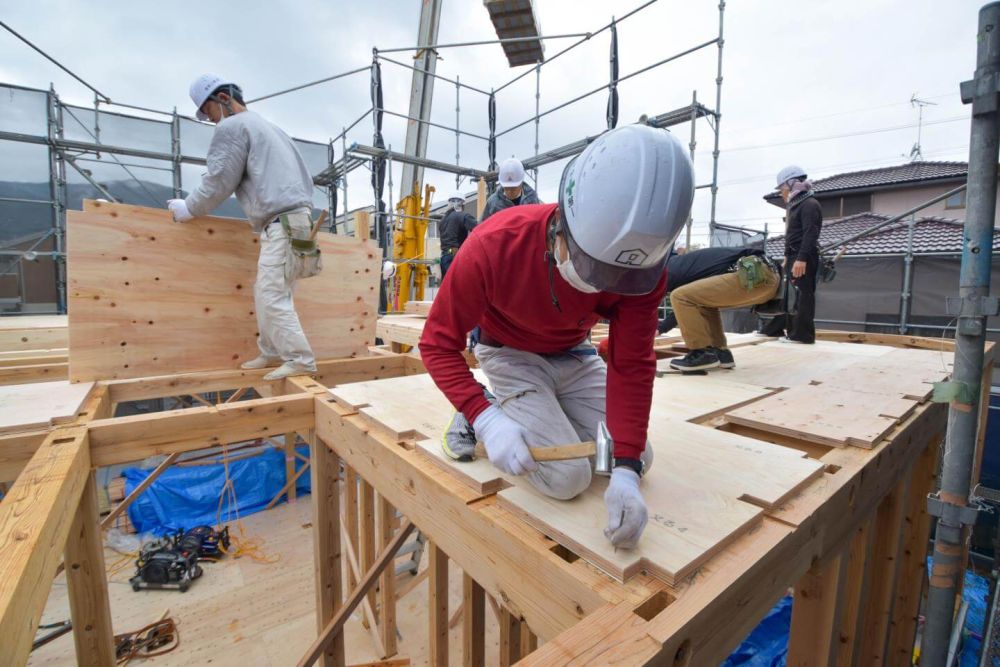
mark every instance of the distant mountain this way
{"type": "Point", "coordinates": [19, 220]}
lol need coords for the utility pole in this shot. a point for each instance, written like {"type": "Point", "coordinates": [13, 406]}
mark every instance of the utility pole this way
{"type": "Point", "coordinates": [951, 505]}
{"type": "Point", "coordinates": [421, 95]}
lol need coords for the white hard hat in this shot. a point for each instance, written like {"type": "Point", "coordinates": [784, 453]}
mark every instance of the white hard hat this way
{"type": "Point", "coordinates": [788, 173]}
{"type": "Point", "coordinates": [511, 173]}
{"type": "Point", "coordinates": [456, 195]}
{"type": "Point", "coordinates": [624, 200]}
{"type": "Point", "coordinates": [203, 87]}
{"type": "Point", "coordinates": [388, 270]}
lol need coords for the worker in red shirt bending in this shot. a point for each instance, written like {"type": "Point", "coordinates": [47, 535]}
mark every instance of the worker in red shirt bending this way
{"type": "Point", "coordinates": [535, 279]}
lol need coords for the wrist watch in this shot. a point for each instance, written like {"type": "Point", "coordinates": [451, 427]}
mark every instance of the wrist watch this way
{"type": "Point", "coordinates": [636, 465]}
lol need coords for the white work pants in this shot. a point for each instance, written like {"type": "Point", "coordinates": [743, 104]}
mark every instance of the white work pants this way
{"type": "Point", "coordinates": [558, 399]}
{"type": "Point", "coordinates": [281, 332]}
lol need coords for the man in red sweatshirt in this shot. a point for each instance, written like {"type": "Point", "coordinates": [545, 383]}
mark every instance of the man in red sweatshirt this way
{"type": "Point", "coordinates": [535, 279]}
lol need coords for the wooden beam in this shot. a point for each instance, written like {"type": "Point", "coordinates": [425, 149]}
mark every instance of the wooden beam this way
{"type": "Point", "coordinates": [529, 642]}
{"type": "Point", "coordinates": [290, 463]}
{"type": "Point", "coordinates": [335, 626]}
{"type": "Point", "coordinates": [34, 373]}
{"type": "Point", "coordinates": [326, 551]}
{"type": "Point", "coordinates": [913, 559]}
{"type": "Point", "coordinates": [109, 520]}
{"type": "Point", "coordinates": [892, 340]}
{"type": "Point", "coordinates": [16, 449]}
{"type": "Point", "coordinates": [87, 584]}
{"type": "Point", "coordinates": [355, 575]}
{"type": "Point", "coordinates": [351, 512]}
{"type": "Point", "coordinates": [480, 198]}
{"type": "Point", "coordinates": [133, 438]}
{"type": "Point", "coordinates": [473, 623]}
{"type": "Point", "coordinates": [362, 225]}
{"type": "Point", "coordinates": [387, 587]}
{"type": "Point", "coordinates": [815, 634]}
{"type": "Point", "coordinates": [35, 520]}
{"type": "Point", "coordinates": [366, 539]}
{"type": "Point", "coordinates": [437, 607]}
{"type": "Point", "coordinates": [288, 487]}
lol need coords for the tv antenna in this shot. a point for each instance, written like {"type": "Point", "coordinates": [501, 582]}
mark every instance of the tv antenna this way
{"type": "Point", "coordinates": [916, 155]}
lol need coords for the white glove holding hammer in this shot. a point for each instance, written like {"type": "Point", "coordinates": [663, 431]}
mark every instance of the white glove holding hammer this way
{"type": "Point", "coordinates": [505, 440]}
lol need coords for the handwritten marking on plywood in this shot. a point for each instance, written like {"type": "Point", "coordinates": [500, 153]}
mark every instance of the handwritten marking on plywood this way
{"type": "Point", "coordinates": [148, 296]}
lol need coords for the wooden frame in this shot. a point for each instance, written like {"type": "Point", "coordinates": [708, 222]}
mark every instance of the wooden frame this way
{"type": "Point", "coordinates": [850, 543]}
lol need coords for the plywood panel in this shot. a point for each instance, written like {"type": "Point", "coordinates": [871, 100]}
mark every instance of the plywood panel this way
{"type": "Point", "coordinates": [148, 296]}
{"type": "Point", "coordinates": [37, 405]}
{"type": "Point", "coordinates": [403, 329]}
{"type": "Point", "coordinates": [33, 332]}
{"type": "Point", "coordinates": [827, 415]}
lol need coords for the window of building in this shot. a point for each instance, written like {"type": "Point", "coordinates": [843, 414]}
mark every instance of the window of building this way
{"type": "Point", "coordinates": [957, 200]}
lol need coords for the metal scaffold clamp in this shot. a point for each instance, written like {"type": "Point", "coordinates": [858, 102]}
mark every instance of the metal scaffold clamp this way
{"type": "Point", "coordinates": [971, 312]}
{"type": "Point", "coordinates": [983, 93]}
{"type": "Point", "coordinates": [954, 516]}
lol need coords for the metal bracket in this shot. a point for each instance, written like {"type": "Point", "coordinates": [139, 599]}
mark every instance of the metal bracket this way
{"type": "Point", "coordinates": [970, 312]}
{"type": "Point", "coordinates": [983, 92]}
{"type": "Point", "coordinates": [964, 515]}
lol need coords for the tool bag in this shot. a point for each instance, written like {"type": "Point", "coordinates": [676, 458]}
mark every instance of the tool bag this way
{"type": "Point", "coordinates": [751, 271]}
{"type": "Point", "coordinates": [302, 255]}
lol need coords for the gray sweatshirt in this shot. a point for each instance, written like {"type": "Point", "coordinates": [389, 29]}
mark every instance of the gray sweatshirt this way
{"type": "Point", "coordinates": [256, 160]}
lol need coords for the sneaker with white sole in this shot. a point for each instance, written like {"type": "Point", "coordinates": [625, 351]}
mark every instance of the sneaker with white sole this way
{"type": "Point", "coordinates": [786, 339]}
{"type": "Point", "coordinates": [696, 360]}
{"type": "Point", "coordinates": [725, 356]}
{"type": "Point", "coordinates": [260, 362]}
{"type": "Point", "coordinates": [459, 440]}
{"type": "Point", "coordinates": [287, 370]}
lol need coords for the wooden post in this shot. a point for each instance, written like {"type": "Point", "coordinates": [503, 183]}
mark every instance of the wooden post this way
{"type": "Point", "coordinates": [87, 584]}
{"type": "Point", "coordinates": [351, 513]}
{"type": "Point", "coordinates": [913, 557]}
{"type": "Point", "coordinates": [366, 539]}
{"type": "Point", "coordinates": [877, 612]}
{"type": "Point", "coordinates": [815, 633]}
{"type": "Point", "coordinates": [438, 606]}
{"type": "Point", "coordinates": [510, 638]}
{"type": "Point", "coordinates": [856, 583]}
{"type": "Point", "coordinates": [326, 543]}
{"type": "Point", "coordinates": [290, 464]}
{"type": "Point", "coordinates": [473, 623]}
{"type": "Point", "coordinates": [480, 198]}
{"type": "Point", "coordinates": [362, 225]}
{"type": "Point", "coordinates": [387, 586]}
{"type": "Point", "coordinates": [529, 642]}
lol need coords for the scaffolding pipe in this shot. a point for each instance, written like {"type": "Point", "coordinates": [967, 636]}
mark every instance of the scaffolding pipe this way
{"type": "Point", "coordinates": [433, 124]}
{"type": "Point", "coordinates": [538, 119]}
{"type": "Point", "coordinates": [718, 120]}
{"type": "Point", "coordinates": [54, 61]}
{"type": "Point", "coordinates": [358, 70]}
{"type": "Point", "coordinates": [507, 40]}
{"type": "Point", "coordinates": [951, 506]}
{"type": "Point", "coordinates": [906, 297]}
{"type": "Point", "coordinates": [433, 74]}
{"type": "Point", "coordinates": [691, 146]}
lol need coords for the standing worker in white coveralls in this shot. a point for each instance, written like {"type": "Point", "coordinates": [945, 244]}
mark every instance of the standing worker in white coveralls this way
{"type": "Point", "coordinates": [535, 278]}
{"type": "Point", "coordinates": [256, 160]}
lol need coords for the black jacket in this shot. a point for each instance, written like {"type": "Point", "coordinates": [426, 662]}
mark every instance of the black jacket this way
{"type": "Point", "coordinates": [704, 263]}
{"type": "Point", "coordinates": [805, 221]}
{"type": "Point", "coordinates": [498, 200]}
{"type": "Point", "coordinates": [454, 228]}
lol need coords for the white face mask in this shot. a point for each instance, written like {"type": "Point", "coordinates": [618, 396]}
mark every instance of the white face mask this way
{"type": "Point", "coordinates": [569, 274]}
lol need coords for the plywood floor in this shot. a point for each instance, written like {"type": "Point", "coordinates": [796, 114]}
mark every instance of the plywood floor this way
{"type": "Point", "coordinates": [247, 614]}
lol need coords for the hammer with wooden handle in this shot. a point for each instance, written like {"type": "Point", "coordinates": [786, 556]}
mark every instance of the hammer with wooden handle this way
{"type": "Point", "coordinates": [601, 449]}
{"type": "Point", "coordinates": [317, 225]}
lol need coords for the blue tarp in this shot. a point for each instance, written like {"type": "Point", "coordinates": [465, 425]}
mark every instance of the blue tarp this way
{"type": "Point", "coordinates": [184, 497]}
{"type": "Point", "coordinates": [767, 645]}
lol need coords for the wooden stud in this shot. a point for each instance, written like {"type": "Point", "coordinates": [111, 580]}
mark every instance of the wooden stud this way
{"type": "Point", "coordinates": [473, 623]}
{"type": "Point", "coordinates": [362, 225]}
{"type": "Point", "coordinates": [387, 586]}
{"type": "Point", "coordinates": [351, 512]}
{"type": "Point", "coordinates": [366, 539]}
{"type": "Point", "coordinates": [529, 642]}
{"type": "Point", "coordinates": [913, 558]}
{"type": "Point", "coordinates": [87, 584]}
{"type": "Point", "coordinates": [437, 606]}
{"type": "Point", "coordinates": [326, 545]}
{"type": "Point", "coordinates": [510, 638]}
{"type": "Point", "coordinates": [290, 464]}
{"type": "Point", "coordinates": [877, 612]}
{"type": "Point", "coordinates": [35, 520]}
{"type": "Point", "coordinates": [354, 570]}
{"type": "Point", "coordinates": [815, 634]}
{"type": "Point", "coordinates": [858, 574]}
{"type": "Point", "coordinates": [480, 198]}
{"type": "Point", "coordinates": [109, 520]}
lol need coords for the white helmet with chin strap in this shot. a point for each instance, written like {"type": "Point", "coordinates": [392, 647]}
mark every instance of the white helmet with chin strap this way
{"type": "Point", "coordinates": [623, 202]}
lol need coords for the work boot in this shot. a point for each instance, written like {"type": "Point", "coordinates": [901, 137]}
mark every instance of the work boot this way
{"type": "Point", "coordinates": [696, 360]}
{"type": "Point", "coordinates": [260, 362]}
{"type": "Point", "coordinates": [287, 370]}
{"type": "Point", "coordinates": [459, 439]}
{"type": "Point", "coordinates": [725, 357]}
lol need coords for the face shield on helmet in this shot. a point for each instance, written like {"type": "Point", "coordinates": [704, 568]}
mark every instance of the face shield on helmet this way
{"type": "Point", "coordinates": [623, 202]}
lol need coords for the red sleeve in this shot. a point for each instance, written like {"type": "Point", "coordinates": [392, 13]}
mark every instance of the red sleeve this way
{"type": "Point", "coordinates": [457, 309]}
{"type": "Point", "coordinates": [631, 370]}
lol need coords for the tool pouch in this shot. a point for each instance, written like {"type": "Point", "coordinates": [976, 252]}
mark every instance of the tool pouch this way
{"type": "Point", "coordinates": [751, 271]}
{"type": "Point", "coordinates": [302, 255]}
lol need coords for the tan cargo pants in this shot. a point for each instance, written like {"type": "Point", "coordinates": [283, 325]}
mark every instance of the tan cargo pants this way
{"type": "Point", "coordinates": [697, 305]}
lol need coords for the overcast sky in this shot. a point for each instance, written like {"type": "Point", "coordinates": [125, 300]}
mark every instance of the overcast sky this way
{"type": "Point", "coordinates": [824, 84]}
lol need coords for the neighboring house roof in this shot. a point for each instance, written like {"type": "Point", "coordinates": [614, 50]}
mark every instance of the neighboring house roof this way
{"type": "Point", "coordinates": [931, 235]}
{"type": "Point", "coordinates": [911, 173]}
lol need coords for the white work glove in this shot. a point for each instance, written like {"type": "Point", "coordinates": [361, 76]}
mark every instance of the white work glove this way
{"type": "Point", "coordinates": [626, 509]}
{"type": "Point", "coordinates": [505, 441]}
{"type": "Point", "coordinates": [179, 208]}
